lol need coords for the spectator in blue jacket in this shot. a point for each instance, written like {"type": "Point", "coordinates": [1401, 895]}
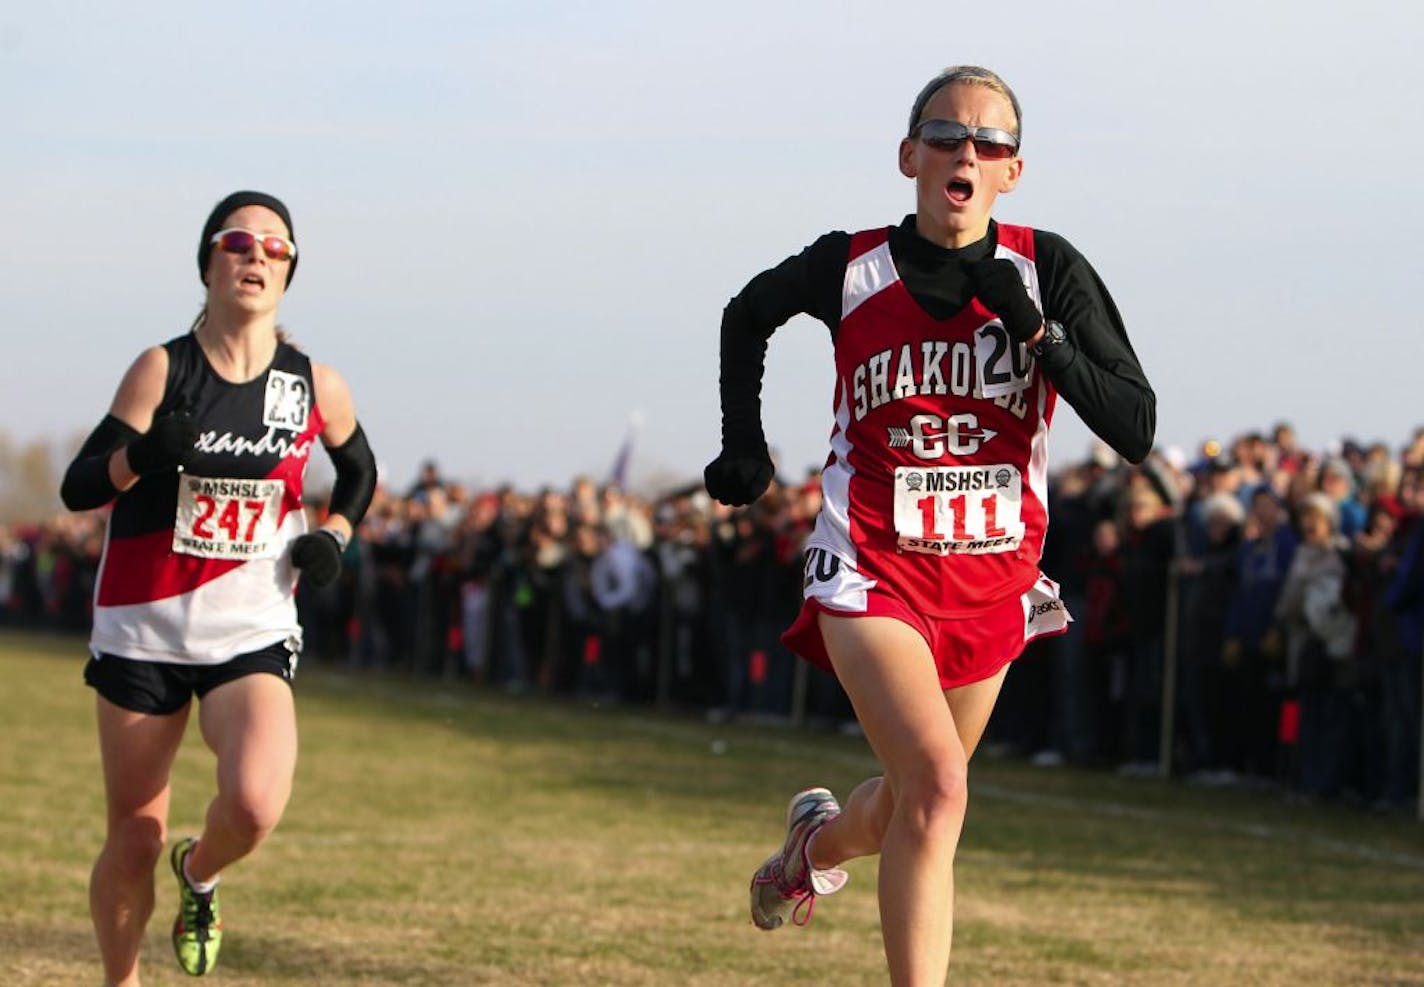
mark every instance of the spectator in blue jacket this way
{"type": "Point", "coordinates": [1253, 642]}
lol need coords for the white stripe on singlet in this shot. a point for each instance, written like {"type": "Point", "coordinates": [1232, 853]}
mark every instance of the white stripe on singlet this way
{"type": "Point", "coordinates": [869, 273]}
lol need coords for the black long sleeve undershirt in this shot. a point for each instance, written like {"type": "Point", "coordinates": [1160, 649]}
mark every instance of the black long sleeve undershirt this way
{"type": "Point", "coordinates": [1096, 372]}
{"type": "Point", "coordinates": [86, 484]}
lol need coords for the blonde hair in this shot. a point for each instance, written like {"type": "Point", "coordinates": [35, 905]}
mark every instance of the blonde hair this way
{"type": "Point", "coordinates": [1383, 477]}
{"type": "Point", "coordinates": [969, 75]}
{"type": "Point", "coordinates": [1321, 504]}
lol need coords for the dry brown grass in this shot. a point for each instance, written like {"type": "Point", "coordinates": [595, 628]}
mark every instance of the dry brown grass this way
{"type": "Point", "coordinates": [448, 836]}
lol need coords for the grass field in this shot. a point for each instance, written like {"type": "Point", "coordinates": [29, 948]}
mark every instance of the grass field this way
{"type": "Point", "coordinates": [443, 835]}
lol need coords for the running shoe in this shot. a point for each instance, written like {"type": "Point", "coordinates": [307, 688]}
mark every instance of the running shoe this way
{"type": "Point", "coordinates": [786, 885]}
{"type": "Point", "coordinates": [197, 931]}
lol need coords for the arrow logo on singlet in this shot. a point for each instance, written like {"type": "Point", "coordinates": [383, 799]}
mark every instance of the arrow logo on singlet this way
{"type": "Point", "coordinates": [900, 437]}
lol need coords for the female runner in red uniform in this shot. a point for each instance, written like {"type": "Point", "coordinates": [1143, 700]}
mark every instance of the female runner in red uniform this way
{"type": "Point", "coordinates": [953, 336]}
{"type": "Point", "coordinates": [202, 455]}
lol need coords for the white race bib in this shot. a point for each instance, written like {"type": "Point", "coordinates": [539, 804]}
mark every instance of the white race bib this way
{"type": "Point", "coordinates": [964, 510]}
{"type": "Point", "coordinates": [287, 401]}
{"type": "Point", "coordinates": [1004, 364]}
{"type": "Point", "coordinates": [228, 519]}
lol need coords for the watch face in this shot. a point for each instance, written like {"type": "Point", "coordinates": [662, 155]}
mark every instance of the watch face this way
{"type": "Point", "coordinates": [1053, 335]}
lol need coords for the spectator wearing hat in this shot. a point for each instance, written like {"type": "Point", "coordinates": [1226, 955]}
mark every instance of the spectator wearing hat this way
{"type": "Point", "coordinates": [1209, 688]}
{"type": "Point", "coordinates": [1337, 481]}
{"type": "Point", "coordinates": [1320, 632]}
{"type": "Point", "coordinates": [1252, 644]}
{"type": "Point", "coordinates": [1216, 476]}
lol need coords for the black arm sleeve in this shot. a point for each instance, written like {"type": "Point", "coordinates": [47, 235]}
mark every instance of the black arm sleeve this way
{"type": "Point", "coordinates": [809, 283]}
{"type": "Point", "coordinates": [355, 477]}
{"type": "Point", "coordinates": [1097, 371]}
{"type": "Point", "coordinates": [86, 482]}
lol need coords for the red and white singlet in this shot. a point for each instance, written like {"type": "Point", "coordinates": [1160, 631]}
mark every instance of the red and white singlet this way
{"type": "Point", "coordinates": [196, 565]}
{"type": "Point", "coordinates": [937, 481]}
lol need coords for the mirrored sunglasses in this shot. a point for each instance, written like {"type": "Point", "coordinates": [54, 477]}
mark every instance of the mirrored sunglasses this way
{"type": "Point", "coordinates": [949, 135]}
{"type": "Point", "coordinates": [239, 241]}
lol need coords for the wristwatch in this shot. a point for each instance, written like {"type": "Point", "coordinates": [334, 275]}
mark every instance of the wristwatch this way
{"type": "Point", "coordinates": [1053, 336]}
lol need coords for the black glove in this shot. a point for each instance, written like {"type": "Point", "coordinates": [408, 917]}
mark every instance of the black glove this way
{"type": "Point", "coordinates": [167, 445]}
{"type": "Point", "coordinates": [318, 555]}
{"type": "Point", "coordinates": [739, 476]}
{"type": "Point", "coordinates": [997, 284]}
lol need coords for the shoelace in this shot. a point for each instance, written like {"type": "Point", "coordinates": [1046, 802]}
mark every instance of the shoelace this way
{"type": "Point", "coordinates": [808, 901]}
{"type": "Point", "coordinates": [202, 914]}
{"type": "Point", "coordinates": [804, 895]}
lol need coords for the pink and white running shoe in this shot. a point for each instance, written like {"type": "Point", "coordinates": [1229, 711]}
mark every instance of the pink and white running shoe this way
{"type": "Point", "coordinates": [787, 885]}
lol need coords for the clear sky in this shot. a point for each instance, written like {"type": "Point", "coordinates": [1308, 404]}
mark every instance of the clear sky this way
{"type": "Point", "coordinates": [519, 221]}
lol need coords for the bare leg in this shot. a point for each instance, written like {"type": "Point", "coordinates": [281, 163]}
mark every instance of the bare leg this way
{"type": "Point", "coordinates": [251, 725]}
{"type": "Point", "coordinates": [137, 752]}
{"type": "Point", "coordinates": [860, 828]}
{"type": "Point", "coordinates": [865, 814]}
{"type": "Point", "coordinates": [914, 814]}
{"type": "Point", "coordinates": [971, 706]}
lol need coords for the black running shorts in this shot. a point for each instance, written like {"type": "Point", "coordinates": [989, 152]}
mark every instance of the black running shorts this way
{"type": "Point", "coordinates": [161, 688]}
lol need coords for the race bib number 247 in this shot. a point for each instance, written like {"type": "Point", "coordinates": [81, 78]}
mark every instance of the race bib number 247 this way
{"type": "Point", "coordinates": [228, 519]}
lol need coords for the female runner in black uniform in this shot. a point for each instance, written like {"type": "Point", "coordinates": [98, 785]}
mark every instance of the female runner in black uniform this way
{"type": "Point", "coordinates": [202, 455]}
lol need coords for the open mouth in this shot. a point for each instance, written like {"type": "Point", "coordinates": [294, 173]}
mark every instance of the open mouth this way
{"type": "Point", "coordinates": [959, 191]}
{"type": "Point", "coordinates": [255, 281]}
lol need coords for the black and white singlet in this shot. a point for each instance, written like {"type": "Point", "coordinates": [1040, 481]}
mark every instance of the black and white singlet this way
{"type": "Point", "coordinates": [196, 565]}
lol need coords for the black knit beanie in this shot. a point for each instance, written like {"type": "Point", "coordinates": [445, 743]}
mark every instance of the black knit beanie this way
{"type": "Point", "coordinates": [226, 208]}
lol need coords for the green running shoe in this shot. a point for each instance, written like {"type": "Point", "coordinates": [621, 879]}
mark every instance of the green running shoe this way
{"type": "Point", "coordinates": [197, 931]}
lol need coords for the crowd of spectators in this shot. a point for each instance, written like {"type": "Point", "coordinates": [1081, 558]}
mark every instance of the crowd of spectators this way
{"type": "Point", "coordinates": [1268, 599]}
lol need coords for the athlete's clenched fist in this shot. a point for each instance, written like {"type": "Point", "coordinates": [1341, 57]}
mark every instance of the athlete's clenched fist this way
{"type": "Point", "coordinates": [318, 555]}
{"type": "Point", "coordinates": [999, 286]}
{"type": "Point", "coordinates": [167, 445]}
{"type": "Point", "coordinates": [738, 477]}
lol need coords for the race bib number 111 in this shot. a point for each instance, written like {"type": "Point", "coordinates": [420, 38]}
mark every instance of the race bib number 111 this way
{"type": "Point", "coordinates": [228, 519]}
{"type": "Point", "coordinates": [965, 510]}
